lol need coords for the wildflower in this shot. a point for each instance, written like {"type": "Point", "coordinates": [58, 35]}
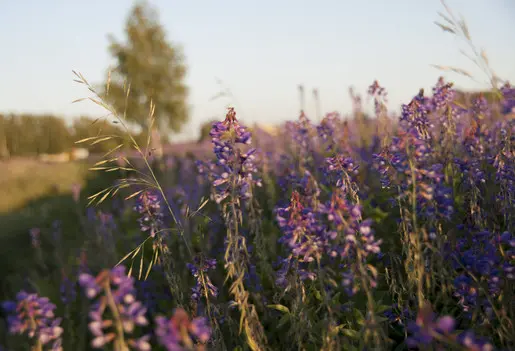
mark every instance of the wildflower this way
{"type": "Point", "coordinates": [148, 205]}
{"type": "Point", "coordinates": [428, 330]}
{"type": "Point", "coordinates": [380, 97]}
{"type": "Point", "coordinates": [67, 288]}
{"type": "Point", "coordinates": [508, 93]}
{"type": "Point", "coordinates": [236, 168]}
{"type": "Point", "coordinates": [199, 271]}
{"type": "Point", "coordinates": [181, 333]}
{"type": "Point", "coordinates": [34, 315]}
{"type": "Point", "coordinates": [120, 297]}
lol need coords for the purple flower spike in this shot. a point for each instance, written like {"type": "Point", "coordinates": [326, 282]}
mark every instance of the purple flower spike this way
{"type": "Point", "coordinates": [119, 291]}
{"type": "Point", "coordinates": [34, 316]}
{"type": "Point", "coordinates": [180, 333]}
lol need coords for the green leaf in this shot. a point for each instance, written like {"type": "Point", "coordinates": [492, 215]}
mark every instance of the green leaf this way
{"type": "Point", "coordinates": [360, 319]}
{"type": "Point", "coordinates": [281, 308]}
{"type": "Point", "coordinates": [350, 333]}
{"type": "Point", "coordinates": [382, 308]}
{"type": "Point", "coordinates": [284, 319]}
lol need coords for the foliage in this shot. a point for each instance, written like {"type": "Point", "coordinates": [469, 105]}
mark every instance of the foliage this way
{"type": "Point", "coordinates": [29, 135]}
{"type": "Point", "coordinates": [152, 68]}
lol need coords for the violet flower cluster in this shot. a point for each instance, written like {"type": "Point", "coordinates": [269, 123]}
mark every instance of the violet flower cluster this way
{"type": "Point", "coordinates": [199, 271]}
{"type": "Point", "coordinates": [180, 333]}
{"type": "Point", "coordinates": [408, 161]}
{"type": "Point", "coordinates": [334, 230]}
{"type": "Point", "coordinates": [300, 131]}
{"type": "Point", "coordinates": [482, 258]}
{"type": "Point", "coordinates": [148, 205]}
{"type": "Point", "coordinates": [380, 97]}
{"type": "Point", "coordinates": [302, 234]}
{"type": "Point", "coordinates": [116, 294]}
{"type": "Point", "coordinates": [440, 332]}
{"type": "Point", "coordinates": [33, 316]}
{"type": "Point", "coordinates": [508, 93]}
{"type": "Point", "coordinates": [231, 160]}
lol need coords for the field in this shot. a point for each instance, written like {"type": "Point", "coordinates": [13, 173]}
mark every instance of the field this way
{"type": "Point", "coordinates": [348, 234]}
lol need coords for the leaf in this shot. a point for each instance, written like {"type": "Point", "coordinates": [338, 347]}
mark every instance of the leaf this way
{"type": "Point", "coordinates": [350, 333]}
{"type": "Point", "coordinates": [445, 28]}
{"type": "Point", "coordinates": [465, 29]}
{"type": "Point", "coordinates": [281, 308]}
{"type": "Point", "coordinates": [134, 194]}
{"type": "Point", "coordinates": [104, 197]}
{"type": "Point", "coordinates": [380, 319]}
{"type": "Point", "coordinates": [126, 256]}
{"type": "Point", "coordinates": [130, 268]}
{"type": "Point", "coordinates": [99, 163]}
{"type": "Point", "coordinates": [85, 139]}
{"type": "Point", "coordinates": [382, 308]}
{"type": "Point", "coordinates": [284, 319]}
{"type": "Point", "coordinates": [101, 140]}
{"type": "Point", "coordinates": [484, 57]}
{"type": "Point", "coordinates": [141, 265]}
{"type": "Point", "coordinates": [202, 205]}
{"type": "Point", "coordinates": [360, 319]}
{"type": "Point", "coordinates": [149, 268]}
{"type": "Point", "coordinates": [318, 295]}
{"type": "Point", "coordinates": [446, 19]}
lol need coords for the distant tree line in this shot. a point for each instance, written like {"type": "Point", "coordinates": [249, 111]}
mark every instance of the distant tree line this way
{"type": "Point", "coordinates": [31, 135]}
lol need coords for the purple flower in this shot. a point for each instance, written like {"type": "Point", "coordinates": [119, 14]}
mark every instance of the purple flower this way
{"type": "Point", "coordinates": [33, 315]}
{"type": "Point", "coordinates": [67, 289]}
{"type": "Point", "coordinates": [119, 293]}
{"type": "Point", "coordinates": [428, 330]}
{"type": "Point", "coordinates": [199, 271]}
{"type": "Point", "coordinates": [235, 169]}
{"type": "Point", "coordinates": [180, 333]}
{"type": "Point", "coordinates": [508, 93]}
{"type": "Point", "coordinates": [148, 205]}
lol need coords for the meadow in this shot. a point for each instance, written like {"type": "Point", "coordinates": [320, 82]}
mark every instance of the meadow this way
{"type": "Point", "coordinates": [385, 233]}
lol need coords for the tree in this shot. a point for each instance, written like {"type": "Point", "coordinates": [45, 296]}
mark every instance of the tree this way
{"type": "Point", "coordinates": [205, 128]}
{"type": "Point", "coordinates": [155, 71]}
{"type": "Point", "coordinates": [4, 151]}
{"type": "Point", "coordinates": [53, 137]}
{"type": "Point", "coordinates": [86, 127]}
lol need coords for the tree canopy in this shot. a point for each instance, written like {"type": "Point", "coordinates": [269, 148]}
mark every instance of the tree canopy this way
{"type": "Point", "coordinates": [154, 69]}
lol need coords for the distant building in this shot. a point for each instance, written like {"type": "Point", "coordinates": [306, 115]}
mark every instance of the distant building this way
{"type": "Point", "coordinates": [79, 154]}
{"type": "Point", "coordinates": [75, 154]}
{"type": "Point", "coordinates": [55, 158]}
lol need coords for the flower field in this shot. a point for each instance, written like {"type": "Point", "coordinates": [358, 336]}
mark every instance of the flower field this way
{"type": "Point", "coordinates": [385, 233]}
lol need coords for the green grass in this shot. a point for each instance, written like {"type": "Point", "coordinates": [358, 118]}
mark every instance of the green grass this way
{"type": "Point", "coordinates": [34, 194]}
{"type": "Point", "coordinates": [29, 179]}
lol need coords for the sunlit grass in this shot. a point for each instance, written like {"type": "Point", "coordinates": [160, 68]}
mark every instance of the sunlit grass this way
{"type": "Point", "coordinates": [24, 180]}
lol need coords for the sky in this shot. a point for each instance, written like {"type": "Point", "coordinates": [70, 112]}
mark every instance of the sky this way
{"type": "Point", "coordinates": [260, 50]}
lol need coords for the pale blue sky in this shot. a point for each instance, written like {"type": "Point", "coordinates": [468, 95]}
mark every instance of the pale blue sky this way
{"type": "Point", "coordinates": [260, 49]}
